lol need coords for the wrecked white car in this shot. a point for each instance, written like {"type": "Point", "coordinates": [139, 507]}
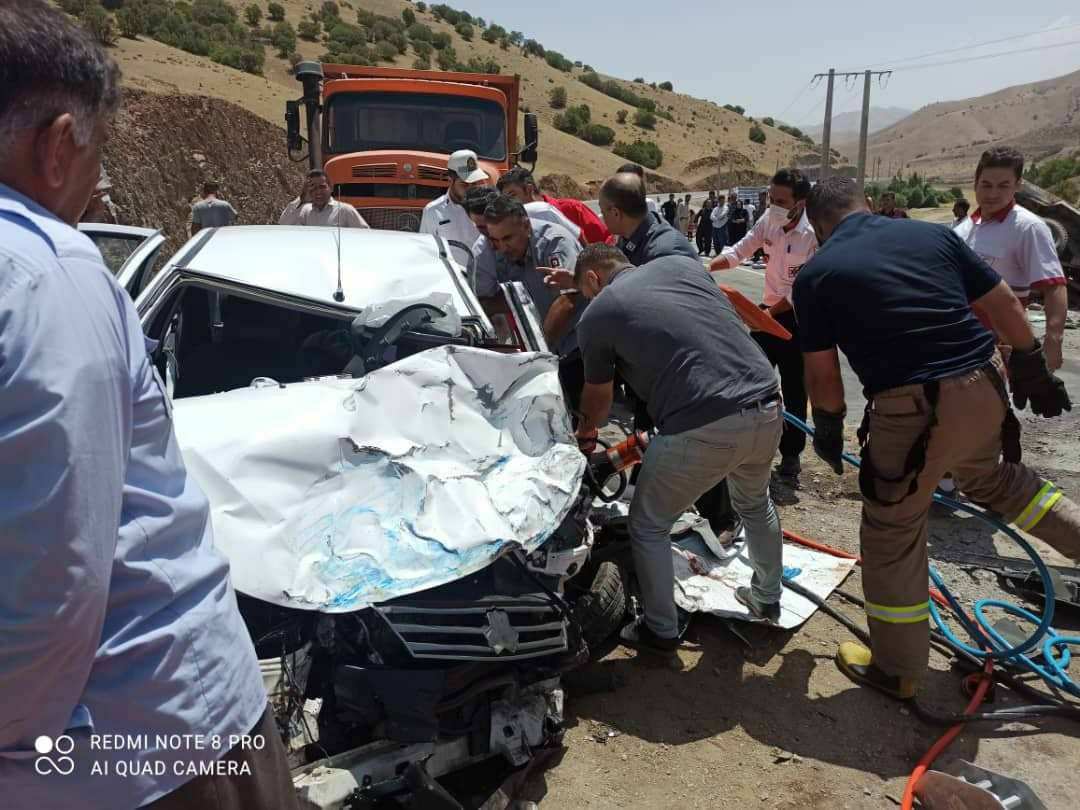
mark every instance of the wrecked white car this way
{"type": "Point", "coordinates": [394, 480]}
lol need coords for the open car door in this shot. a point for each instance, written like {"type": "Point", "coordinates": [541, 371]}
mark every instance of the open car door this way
{"type": "Point", "coordinates": [516, 320]}
{"type": "Point", "coordinates": [131, 253]}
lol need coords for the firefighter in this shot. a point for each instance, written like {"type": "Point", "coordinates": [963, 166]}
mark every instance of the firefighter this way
{"type": "Point", "coordinates": [896, 295]}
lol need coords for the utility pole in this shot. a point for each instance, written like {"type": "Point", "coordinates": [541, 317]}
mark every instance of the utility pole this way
{"type": "Point", "coordinates": [826, 132]}
{"type": "Point", "coordinates": [860, 172]}
{"type": "Point", "coordinates": [826, 157]}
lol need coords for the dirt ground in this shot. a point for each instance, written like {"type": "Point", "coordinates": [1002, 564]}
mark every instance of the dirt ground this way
{"type": "Point", "coordinates": [774, 724]}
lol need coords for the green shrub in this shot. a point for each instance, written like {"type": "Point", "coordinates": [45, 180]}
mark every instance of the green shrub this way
{"type": "Point", "coordinates": [398, 40]}
{"type": "Point", "coordinates": [620, 116]}
{"type": "Point", "coordinates": [666, 115]}
{"type": "Point", "coordinates": [465, 31]}
{"type": "Point", "coordinates": [574, 120]}
{"type": "Point", "coordinates": [309, 30]}
{"type": "Point", "coordinates": [408, 16]}
{"type": "Point", "coordinates": [418, 32]}
{"type": "Point", "coordinates": [957, 193]}
{"type": "Point", "coordinates": [97, 21]}
{"type": "Point", "coordinates": [276, 12]}
{"type": "Point", "coordinates": [494, 33]}
{"type": "Point", "coordinates": [615, 90]}
{"type": "Point", "coordinates": [421, 7]}
{"type": "Point", "coordinates": [644, 119]}
{"type": "Point", "coordinates": [639, 80]}
{"type": "Point", "coordinates": [342, 36]}
{"type": "Point", "coordinates": [768, 121]}
{"type": "Point", "coordinates": [558, 61]}
{"type": "Point", "coordinates": [757, 134]}
{"type": "Point", "coordinates": [483, 64]}
{"type": "Point", "coordinates": [531, 47]}
{"type": "Point", "coordinates": [667, 86]}
{"type": "Point", "coordinates": [735, 108]}
{"type": "Point", "coordinates": [794, 132]}
{"type": "Point", "coordinates": [73, 7]}
{"type": "Point", "coordinates": [386, 51]}
{"type": "Point", "coordinates": [557, 97]}
{"type": "Point", "coordinates": [647, 153]}
{"type": "Point", "coordinates": [915, 198]}
{"type": "Point", "coordinates": [283, 38]}
{"type": "Point", "coordinates": [598, 135]}
{"type": "Point", "coordinates": [440, 40]}
{"type": "Point", "coordinates": [422, 49]}
{"type": "Point", "coordinates": [253, 15]}
{"type": "Point", "coordinates": [210, 12]}
{"type": "Point", "coordinates": [447, 59]}
{"type": "Point", "coordinates": [329, 13]}
{"type": "Point", "coordinates": [132, 21]}
{"type": "Point", "coordinates": [422, 63]}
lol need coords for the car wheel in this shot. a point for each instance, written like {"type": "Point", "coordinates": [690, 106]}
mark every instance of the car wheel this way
{"type": "Point", "coordinates": [601, 608]}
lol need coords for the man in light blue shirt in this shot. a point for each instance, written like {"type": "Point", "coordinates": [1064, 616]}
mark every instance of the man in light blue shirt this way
{"type": "Point", "coordinates": [124, 663]}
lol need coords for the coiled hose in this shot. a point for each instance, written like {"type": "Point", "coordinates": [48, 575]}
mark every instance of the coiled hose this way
{"type": "Point", "coordinates": [993, 647]}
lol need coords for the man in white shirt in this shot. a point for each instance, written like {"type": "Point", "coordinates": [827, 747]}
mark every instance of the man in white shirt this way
{"type": "Point", "coordinates": [789, 242]}
{"type": "Point", "coordinates": [445, 216]}
{"type": "Point", "coordinates": [323, 209]}
{"type": "Point", "coordinates": [719, 218]}
{"type": "Point", "coordinates": [1017, 243]}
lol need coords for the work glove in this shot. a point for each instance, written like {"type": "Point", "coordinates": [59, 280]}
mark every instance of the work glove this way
{"type": "Point", "coordinates": [829, 438]}
{"type": "Point", "coordinates": [1030, 379]}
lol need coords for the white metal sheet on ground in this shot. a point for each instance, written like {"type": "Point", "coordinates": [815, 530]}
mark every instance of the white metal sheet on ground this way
{"type": "Point", "coordinates": [706, 584]}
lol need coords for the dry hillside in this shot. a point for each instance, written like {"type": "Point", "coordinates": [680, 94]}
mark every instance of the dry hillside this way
{"type": "Point", "coordinates": [945, 139]}
{"type": "Point", "coordinates": [703, 140]}
{"type": "Point", "coordinates": [163, 147]}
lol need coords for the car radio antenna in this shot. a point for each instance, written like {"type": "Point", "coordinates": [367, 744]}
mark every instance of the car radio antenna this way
{"type": "Point", "coordinates": [339, 294]}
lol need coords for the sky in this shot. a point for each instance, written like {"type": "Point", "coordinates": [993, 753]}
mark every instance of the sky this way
{"type": "Point", "coordinates": [762, 55]}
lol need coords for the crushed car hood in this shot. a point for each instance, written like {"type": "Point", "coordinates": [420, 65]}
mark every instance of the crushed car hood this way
{"type": "Point", "coordinates": [333, 495]}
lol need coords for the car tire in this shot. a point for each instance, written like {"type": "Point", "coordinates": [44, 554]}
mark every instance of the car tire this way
{"type": "Point", "coordinates": [600, 610]}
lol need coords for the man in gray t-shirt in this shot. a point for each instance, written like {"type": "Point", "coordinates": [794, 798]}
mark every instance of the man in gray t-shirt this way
{"type": "Point", "coordinates": [211, 211]}
{"type": "Point", "coordinates": [670, 332]}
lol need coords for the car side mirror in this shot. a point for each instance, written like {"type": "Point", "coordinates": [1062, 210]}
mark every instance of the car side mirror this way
{"type": "Point", "coordinates": [530, 152]}
{"type": "Point", "coordinates": [292, 125]}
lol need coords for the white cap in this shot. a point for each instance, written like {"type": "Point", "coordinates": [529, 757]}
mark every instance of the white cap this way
{"type": "Point", "coordinates": [464, 164]}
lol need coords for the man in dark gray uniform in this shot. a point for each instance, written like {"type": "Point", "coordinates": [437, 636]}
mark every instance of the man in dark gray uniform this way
{"type": "Point", "coordinates": [641, 237]}
{"type": "Point", "coordinates": [522, 247]}
{"type": "Point", "coordinates": [670, 332]}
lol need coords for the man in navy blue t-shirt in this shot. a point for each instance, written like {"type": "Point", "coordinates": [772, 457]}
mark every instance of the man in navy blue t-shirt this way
{"type": "Point", "coordinates": [895, 296]}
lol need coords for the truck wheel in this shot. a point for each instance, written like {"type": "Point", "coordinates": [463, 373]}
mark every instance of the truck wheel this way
{"type": "Point", "coordinates": [600, 609]}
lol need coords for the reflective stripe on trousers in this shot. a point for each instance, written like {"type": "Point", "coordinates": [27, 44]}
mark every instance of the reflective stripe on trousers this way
{"type": "Point", "coordinates": [1036, 510]}
{"type": "Point", "coordinates": [905, 614]}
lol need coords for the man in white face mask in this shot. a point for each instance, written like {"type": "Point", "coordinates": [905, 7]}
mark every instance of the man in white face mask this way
{"type": "Point", "coordinates": [785, 234]}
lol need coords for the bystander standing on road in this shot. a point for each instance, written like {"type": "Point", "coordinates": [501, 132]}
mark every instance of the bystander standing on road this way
{"type": "Point", "coordinates": [738, 222]}
{"type": "Point", "coordinates": [720, 214]}
{"type": "Point", "coordinates": [211, 211]}
{"type": "Point", "coordinates": [670, 209]}
{"type": "Point", "coordinates": [1017, 243]}
{"type": "Point", "coordinates": [520, 184]}
{"type": "Point", "coordinates": [960, 213]}
{"type": "Point", "coordinates": [896, 298]}
{"type": "Point", "coordinates": [668, 330]}
{"type": "Point", "coordinates": [704, 225]}
{"type": "Point", "coordinates": [641, 236]}
{"type": "Point", "coordinates": [117, 617]}
{"type": "Point", "coordinates": [682, 216]}
{"type": "Point", "coordinates": [322, 210]}
{"type": "Point", "coordinates": [784, 233]}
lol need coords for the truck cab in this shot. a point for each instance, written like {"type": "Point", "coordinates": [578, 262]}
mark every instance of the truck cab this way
{"type": "Point", "coordinates": [383, 135]}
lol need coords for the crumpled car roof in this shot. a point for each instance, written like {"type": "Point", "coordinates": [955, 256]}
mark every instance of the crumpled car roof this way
{"type": "Point", "coordinates": [334, 495]}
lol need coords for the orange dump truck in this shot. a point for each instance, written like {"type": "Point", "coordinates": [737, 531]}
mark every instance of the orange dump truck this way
{"type": "Point", "coordinates": [383, 135]}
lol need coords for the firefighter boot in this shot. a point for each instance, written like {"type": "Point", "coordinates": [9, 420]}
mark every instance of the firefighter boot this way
{"type": "Point", "coordinates": [854, 660]}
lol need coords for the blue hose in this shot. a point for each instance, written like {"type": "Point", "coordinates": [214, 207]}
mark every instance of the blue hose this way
{"type": "Point", "coordinates": [991, 644]}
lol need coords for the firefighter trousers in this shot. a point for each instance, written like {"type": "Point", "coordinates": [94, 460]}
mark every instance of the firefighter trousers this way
{"type": "Point", "coordinates": [967, 442]}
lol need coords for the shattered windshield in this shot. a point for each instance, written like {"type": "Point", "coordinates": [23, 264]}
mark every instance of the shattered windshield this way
{"type": "Point", "coordinates": [358, 122]}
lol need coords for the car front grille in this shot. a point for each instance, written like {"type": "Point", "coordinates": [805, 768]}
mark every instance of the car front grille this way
{"type": "Point", "coordinates": [393, 219]}
{"type": "Point", "coordinates": [502, 630]}
{"type": "Point", "coordinates": [425, 172]}
{"type": "Point", "coordinates": [375, 170]}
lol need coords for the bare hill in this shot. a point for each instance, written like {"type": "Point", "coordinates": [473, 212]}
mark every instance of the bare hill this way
{"type": "Point", "coordinates": [163, 147]}
{"type": "Point", "coordinates": [699, 130]}
{"type": "Point", "coordinates": [945, 139]}
{"type": "Point", "coordinates": [848, 123]}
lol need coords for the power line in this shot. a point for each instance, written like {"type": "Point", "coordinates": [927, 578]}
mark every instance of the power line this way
{"type": "Point", "coordinates": [991, 55]}
{"type": "Point", "coordinates": [981, 44]}
{"type": "Point", "coordinates": [808, 86]}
